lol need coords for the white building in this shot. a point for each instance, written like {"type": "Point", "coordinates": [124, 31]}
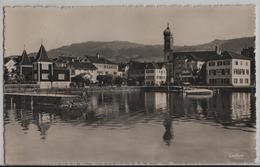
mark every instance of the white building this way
{"type": "Point", "coordinates": [228, 69]}
{"type": "Point", "coordinates": [88, 69]}
{"type": "Point", "coordinates": [104, 66]}
{"type": "Point", "coordinates": [155, 74]}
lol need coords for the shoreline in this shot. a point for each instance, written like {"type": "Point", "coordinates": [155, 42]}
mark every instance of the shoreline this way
{"type": "Point", "coordinates": [26, 89]}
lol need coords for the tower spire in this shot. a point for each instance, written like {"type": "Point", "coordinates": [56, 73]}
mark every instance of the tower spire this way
{"type": "Point", "coordinates": [167, 24]}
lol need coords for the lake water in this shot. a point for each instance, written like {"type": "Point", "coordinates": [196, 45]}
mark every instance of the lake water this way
{"type": "Point", "coordinates": [125, 127]}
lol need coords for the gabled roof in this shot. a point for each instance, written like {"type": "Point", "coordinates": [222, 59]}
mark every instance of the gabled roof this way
{"type": "Point", "coordinates": [24, 59]}
{"type": "Point", "coordinates": [98, 60]}
{"type": "Point", "coordinates": [42, 55]}
{"type": "Point", "coordinates": [83, 66]}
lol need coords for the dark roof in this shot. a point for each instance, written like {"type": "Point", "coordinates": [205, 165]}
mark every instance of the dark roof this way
{"type": "Point", "coordinates": [24, 59]}
{"type": "Point", "coordinates": [42, 55]}
{"type": "Point", "coordinates": [98, 60]}
{"type": "Point", "coordinates": [233, 55]}
{"type": "Point", "coordinates": [6, 59]}
{"type": "Point", "coordinates": [154, 65]}
{"type": "Point", "coordinates": [161, 64]}
{"type": "Point", "coordinates": [197, 55]}
{"type": "Point", "coordinates": [137, 65]}
{"type": "Point", "coordinates": [209, 55]}
{"type": "Point", "coordinates": [67, 59]}
{"type": "Point", "coordinates": [83, 66]}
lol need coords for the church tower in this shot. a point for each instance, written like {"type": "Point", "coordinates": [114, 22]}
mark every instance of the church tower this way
{"type": "Point", "coordinates": [168, 53]}
{"type": "Point", "coordinates": [168, 43]}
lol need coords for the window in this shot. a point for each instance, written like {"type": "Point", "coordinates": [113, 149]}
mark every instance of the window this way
{"type": "Point", "coordinates": [243, 71]}
{"type": "Point", "coordinates": [247, 71]}
{"type": "Point", "coordinates": [227, 71]}
{"type": "Point", "coordinates": [246, 80]}
{"type": "Point", "coordinates": [223, 72]}
{"type": "Point", "coordinates": [211, 63]}
{"type": "Point", "coordinates": [226, 63]}
{"type": "Point", "coordinates": [241, 63]}
{"type": "Point", "coordinates": [219, 63]}
{"type": "Point", "coordinates": [61, 76]}
{"type": "Point", "coordinates": [35, 76]}
{"type": "Point", "coordinates": [45, 66]}
{"type": "Point", "coordinates": [236, 62]}
{"type": "Point", "coordinates": [235, 80]}
{"type": "Point", "coordinates": [115, 73]}
{"type": "Point", "coordinates": [246, 63]}
{"type": "Point", "coordinates": [241, 80]}
{"type": "Point", "coordinates": [45, 76]}
{"type": "Point", "coordinates": [226, 80]}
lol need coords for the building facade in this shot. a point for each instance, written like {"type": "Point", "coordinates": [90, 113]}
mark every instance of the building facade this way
{"type": "Point", "coordinates": [104, 66]}
{"type": "Point", "coordinates": [155, 74]}
{"type": "Point", "coordinates": [24, 67]}
{"type": "Point", "coordinates": [188, 65]}
{"type": "Point", "coordinates": [50, 74]}
{"type": "Point", "coordinates": [136, 73]}
{"type": "Point", "coordinates": [83, 68]}
{"type": "Point", "coordinates": [229, 69]}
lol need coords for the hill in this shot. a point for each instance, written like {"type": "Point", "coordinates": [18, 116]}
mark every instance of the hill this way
{"type": "Point", "coordinates": [123, 51]}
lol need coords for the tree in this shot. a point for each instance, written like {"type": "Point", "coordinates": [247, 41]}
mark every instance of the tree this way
{"type": "Point", "coordinates": [118, 81]}
{"type": "Point", "coordinates": [80, 80]}
{"type": "Point", "coordinates": [105, 79]}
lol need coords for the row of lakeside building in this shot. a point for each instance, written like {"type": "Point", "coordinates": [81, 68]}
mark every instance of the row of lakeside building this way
{"type": "Point", "coordinates": [199, 67]}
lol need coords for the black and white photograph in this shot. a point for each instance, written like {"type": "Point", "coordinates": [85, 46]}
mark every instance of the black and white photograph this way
{"type": "Point", "coordinates": [168, 84]}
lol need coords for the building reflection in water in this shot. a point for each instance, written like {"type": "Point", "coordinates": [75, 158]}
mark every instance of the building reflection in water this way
{"type": "Point", "coordinates": [122, 108]}
{"type": "Point", "coordinates": [155, 102]}
{"type": "Point", "coordinates": [43, 121]}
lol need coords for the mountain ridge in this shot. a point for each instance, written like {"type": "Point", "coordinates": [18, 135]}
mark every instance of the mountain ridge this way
{"type": "Point", "coordinates": [124, 51]}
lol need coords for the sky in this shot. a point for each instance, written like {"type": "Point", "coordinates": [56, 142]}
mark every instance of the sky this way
{"type": "Point", "coordinates": [29, 27]}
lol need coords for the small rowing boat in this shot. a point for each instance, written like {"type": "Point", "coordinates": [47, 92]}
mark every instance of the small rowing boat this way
{"type": "Point", "coordinates": [196, 91]}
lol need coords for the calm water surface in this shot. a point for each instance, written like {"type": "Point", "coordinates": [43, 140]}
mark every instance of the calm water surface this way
{"type": "Point", "coordinates": [124, 127]}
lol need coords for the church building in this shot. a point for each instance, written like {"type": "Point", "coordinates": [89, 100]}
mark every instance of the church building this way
{"type": "Point", "coordinates": [168, 53]}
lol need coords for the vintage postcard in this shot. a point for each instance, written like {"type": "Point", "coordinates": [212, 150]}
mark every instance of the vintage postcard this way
{"type": "Point", "coordinates": [129, 84]}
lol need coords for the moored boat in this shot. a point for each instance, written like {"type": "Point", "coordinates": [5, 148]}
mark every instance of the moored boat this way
{"type": "Point", "coordinates": [196, 91]}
